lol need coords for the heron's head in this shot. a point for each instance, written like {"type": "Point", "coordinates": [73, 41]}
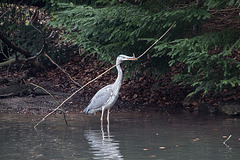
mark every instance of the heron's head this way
{"type": "Point", "coordinates": [122, 57]}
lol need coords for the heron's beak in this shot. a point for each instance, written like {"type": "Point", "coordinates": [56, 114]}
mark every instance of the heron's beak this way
{"type": "Point", "coordinates": [133, 58]}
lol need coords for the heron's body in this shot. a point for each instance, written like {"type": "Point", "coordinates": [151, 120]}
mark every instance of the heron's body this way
{"type": "Point", "coordinates": [103, 99]}
{"type": "Point", "coordinates": [106, 97]}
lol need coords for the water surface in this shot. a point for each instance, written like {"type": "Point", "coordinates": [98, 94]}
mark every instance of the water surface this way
{"type": "Point", "coordinates": [136, 135]}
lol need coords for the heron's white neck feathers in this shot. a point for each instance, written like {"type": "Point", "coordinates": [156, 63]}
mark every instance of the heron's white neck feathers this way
{"type": "Point", "coordinates": [117, 83]}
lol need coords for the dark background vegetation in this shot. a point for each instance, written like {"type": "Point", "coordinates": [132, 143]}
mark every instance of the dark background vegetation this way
{"type": "Point", "coordinates": [199, 57]}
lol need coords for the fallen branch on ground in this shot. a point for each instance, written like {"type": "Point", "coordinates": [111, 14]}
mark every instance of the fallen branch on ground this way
{"type": "Point", "coordinates": [101, 76]}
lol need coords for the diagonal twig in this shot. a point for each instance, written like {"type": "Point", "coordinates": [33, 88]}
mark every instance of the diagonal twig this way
{"type": "Point", "coordinates": [157, 40]}
{"type": "Point", "coordinates": [62, 70]}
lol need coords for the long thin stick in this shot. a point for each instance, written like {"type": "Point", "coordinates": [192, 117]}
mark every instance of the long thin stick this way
{"type": "Point", "coordinates": [62, 70]}
{"type": "Point", "coordinates": [101, 76]}
{"type": "Point", "coordinates": [157, 40]}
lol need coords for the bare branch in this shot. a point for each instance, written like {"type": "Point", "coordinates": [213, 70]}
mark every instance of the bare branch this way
{"type": "Point", "coordinates": [13, 46]}
{"type": "Point", "coordinates": [33, 57]}
{"type": "Point", "coordinates": [50, 35]}
{"type": "Point", "coordinates": [62, 70]}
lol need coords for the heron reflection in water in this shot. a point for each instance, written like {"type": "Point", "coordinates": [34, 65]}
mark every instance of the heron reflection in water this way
{"type": "Point", "coordinates": [106, 97]}
{"type": "Point", "coordinates": [103, 146]}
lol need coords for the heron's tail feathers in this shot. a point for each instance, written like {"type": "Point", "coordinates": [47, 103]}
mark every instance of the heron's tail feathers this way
{"type": "Point", "coordinates": [86, 110]}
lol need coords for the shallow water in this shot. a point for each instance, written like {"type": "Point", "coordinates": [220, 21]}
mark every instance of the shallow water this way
{"type": "Point", "coordinates": [137, 135]}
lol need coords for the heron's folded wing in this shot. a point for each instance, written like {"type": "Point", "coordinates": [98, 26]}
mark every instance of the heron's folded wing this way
{"type": "Point", "coordinates": [101, 97]}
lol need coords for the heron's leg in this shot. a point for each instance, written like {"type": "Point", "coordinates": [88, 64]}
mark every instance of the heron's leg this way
{"type": "Point", "coordinates": [108, 115]}
{"type": "Point", "coordinates": [102, 114]}
{"type": "Point", "coordinates": [102, 131]}
{"type": "Point", "coordinates": [108, 130]}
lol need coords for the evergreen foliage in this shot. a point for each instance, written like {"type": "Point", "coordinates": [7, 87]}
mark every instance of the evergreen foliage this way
{"type": "Point", "coordinates": [221, 3]}
{"type": "Point", "coordinates": [126, 29]}
{"type": "Point", "coordinates": [203, 70]}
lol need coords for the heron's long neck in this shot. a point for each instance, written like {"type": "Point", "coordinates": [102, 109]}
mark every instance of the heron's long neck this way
{"type": "Point", "coordinates": [117, 83]}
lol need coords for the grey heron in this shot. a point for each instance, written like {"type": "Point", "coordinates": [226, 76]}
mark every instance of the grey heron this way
{"type": "Point", "coordinates": [106, 97]}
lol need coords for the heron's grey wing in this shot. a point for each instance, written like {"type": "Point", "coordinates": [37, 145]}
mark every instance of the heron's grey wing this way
{"type": "Point", "coordinates": [99, 99]}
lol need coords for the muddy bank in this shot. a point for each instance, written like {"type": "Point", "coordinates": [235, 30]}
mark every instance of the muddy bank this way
{"type": "Point", "coordinates": [31, 105]}
{"type": "Point", "coordinates": [43, 104]}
